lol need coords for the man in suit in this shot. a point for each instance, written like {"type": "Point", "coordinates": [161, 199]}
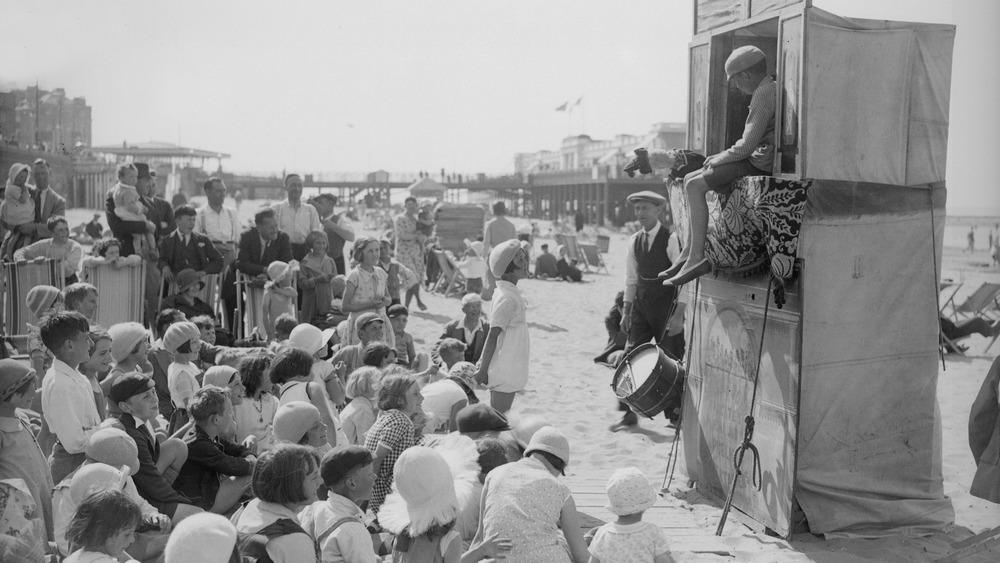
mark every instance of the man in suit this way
{"type": "Point", "coordinates": [258, 247]}
{"type": "Point", "coordinates": [47, 202]}
{"type": "Point", "coordinates": [470, 329]}
{"type": "Point", "coordinates": [185, 249]}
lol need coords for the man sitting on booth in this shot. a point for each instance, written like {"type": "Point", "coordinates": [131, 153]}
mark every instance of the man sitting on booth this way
{"type": "Point", "coordinates": [647, 301]}
{"type": "Point", "coordinates": [752, 155]}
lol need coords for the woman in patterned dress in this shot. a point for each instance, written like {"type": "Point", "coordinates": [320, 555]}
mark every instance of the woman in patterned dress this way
{"type": "Point", "coordinates": [410, 249]}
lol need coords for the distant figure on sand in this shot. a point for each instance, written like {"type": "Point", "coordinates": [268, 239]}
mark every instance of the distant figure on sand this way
{"type": "Point", "coordinates": [972, 239]}
{"type": "Point", "coordinates": [497, 230]}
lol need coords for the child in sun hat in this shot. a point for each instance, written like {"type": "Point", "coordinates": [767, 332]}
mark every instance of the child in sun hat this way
{"type": "Point", "coordinates": [629, 539]}
{"type": "Point", "coordinates": [425, 502]}
{"type": "Point", "coordinates": [473, 266]}
{"type": "Point", "coordinates": [183, 340]}
{"type": "Point", "coordinates": [279, 295]}
{"type": "Point", "coordinates": [203, 538]}
{"type": "Point", "coordinates": [504, 363]}
{"type": "Point", "coordinates": [103, 527]}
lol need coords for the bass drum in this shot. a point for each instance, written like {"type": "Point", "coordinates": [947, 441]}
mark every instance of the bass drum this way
{"type": "Point", "coordinates": [648, 381]}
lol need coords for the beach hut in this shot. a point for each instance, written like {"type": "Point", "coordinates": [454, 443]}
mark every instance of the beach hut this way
{"type": "Point", "coordinates": [847, 234]}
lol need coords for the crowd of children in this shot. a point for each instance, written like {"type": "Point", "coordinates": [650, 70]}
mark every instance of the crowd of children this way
{"type": "Point", "coordinates": [324, 445]}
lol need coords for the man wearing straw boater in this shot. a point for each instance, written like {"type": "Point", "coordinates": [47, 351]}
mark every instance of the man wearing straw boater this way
{"type": "Point", "coordinates": [648, 302]}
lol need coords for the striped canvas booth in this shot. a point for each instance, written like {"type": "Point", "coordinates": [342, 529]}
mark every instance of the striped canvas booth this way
{"type": "Point", "coordinates": [19, 278]}
{"type": "Point", "coordinates": [121, 292]}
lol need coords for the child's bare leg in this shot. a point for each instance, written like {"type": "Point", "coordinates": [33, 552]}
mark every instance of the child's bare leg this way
{"type": "Point", "coordinates": [501, 401]}
{"type": "Point", "coordinates": [695, 265]}
{"type": "Point", "coordinates": [696, 189]}
{"type": "Point", "coordinates": [173, 454]}
{"type": "Point", "coordinates": [230, 491]}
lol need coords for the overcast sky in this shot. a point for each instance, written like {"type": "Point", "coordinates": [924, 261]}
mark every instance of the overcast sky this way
{"type": "Point", "coordinates": [420, 85]}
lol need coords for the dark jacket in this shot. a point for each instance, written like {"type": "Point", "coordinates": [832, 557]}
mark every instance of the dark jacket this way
{"type": "Point", "coordinates": [984, 437]}
{"type": "Point", "coordinates": [160, 214]}
{"type": "Point", "coordinates": [199, 254]}
{"type": "Point", "coordinates": [248, 259]}
{"type": "Point", "coordinates": [208, 459]}
{"type": "Point", "coordinates": [151, 485]}
{"type": "Point", "coordinates": [455, 329]}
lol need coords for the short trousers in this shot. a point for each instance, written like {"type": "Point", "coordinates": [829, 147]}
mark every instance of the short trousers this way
{"type": "Point", "coordinates": [720, 178]}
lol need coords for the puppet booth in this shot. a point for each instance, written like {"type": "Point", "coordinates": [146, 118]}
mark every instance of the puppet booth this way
{"type": "Point", "coordinates": [837, 363]}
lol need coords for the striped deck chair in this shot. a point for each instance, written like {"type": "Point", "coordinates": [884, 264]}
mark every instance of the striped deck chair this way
{"type": "Point", "coordinates": [592, 257]}
{"type": "Point", "coordinates": [19, 278]}
{"type": "Point", "coordinates": [573, 251]}
{"type": "Point", "coordinates": [250, 309]}
{"type": "Point", "coordinates": [451, 279]}
{"type": "Point", "coordinates": [985, 301]}
{"type": "Point", "coordinates": [122, 292]}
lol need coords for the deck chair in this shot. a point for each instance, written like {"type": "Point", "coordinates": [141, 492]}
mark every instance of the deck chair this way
{"type": "Point", "coordinates": [19, 278]}
{"type": "Point", "coordinates": [592, 257]}
{"type": "Point", "coordinates": [450, 280]}
{"type": "Point", "coordinates": [250, 309]}
{"type": "Point", "coordinates": [985, 302]}
{"type": "Point", "coordinates": [572, 249]}
{"type": "Point", "coordinates": [948, 288]}
{"type": "Point", "coordinates": [603, 243]}
{"type": "Point", "coordinates": [122, 292]}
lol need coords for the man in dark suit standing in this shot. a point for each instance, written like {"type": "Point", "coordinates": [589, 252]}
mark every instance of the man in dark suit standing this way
{"type": "Point", "coordinates": [258, 247]}
{"type": "Point", "coordinates": [470, 329]}
{"type": "Point", "coordinates": [47, 202]}
{"type": "Point", "coordinates": [183, 248]}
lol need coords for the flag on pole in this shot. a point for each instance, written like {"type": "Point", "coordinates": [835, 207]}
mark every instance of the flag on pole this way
{"type": "Point", "coordinates": [562, 107]}
{"type": "Point", "coordinates": [578, 101]}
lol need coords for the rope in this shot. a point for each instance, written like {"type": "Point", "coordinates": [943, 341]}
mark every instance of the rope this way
{"type": "Point", "coordinates": [937, 287]}
{"type": "Point", "coordinates": [668, 476]}
{"type": "Point", "coordinates": [749, 423]}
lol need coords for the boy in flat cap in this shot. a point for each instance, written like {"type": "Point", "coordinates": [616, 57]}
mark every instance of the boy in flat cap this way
{"type": "Point", "coordinates": [647, 301]}
{"type": "Point", "coordinates": [752, 155]}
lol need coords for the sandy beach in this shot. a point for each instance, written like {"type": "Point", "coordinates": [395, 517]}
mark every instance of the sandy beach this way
{"type": "Point", "coordinates": [574, 394]}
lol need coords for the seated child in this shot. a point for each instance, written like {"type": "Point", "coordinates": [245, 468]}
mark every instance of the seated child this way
{"type": "Point", "coordinates": [20, 455]}
{"type": "Point", "coordinates": [473, 266]}
{"type": "Point", "coordinates": [752, 155]}
{"type": "Point", "coordinates": [428, 533]}
{"type": "Point", "coordinates": [102, 527]}
{"type": "Point", "coordinates": [359, 415]}
{"type": "Point", "coordinates": [159, 461]}
{"type": "Point", "coordinates": [67, 397]}
{"type": "Point", "coordinates": [567, 270]}
{"type": "Point", "coordinates": [492, 454]}
{"type": "Point", "coordinates": [406, 354]}
{"type": "Point", "coordinates": [629, 538]}
{"type": "Point", "coordinates": [378, 355]}
{"type": "Point", "coordinates": [337, 522]}
{"type": "Point", "coordinates": [17, 209]}
{"type": "Point", "coordinates": [183, 340]}
{"type": "Point", "coordinates": [279, 295]}
{"type": "Point", "coordinates": [255, 415]}
{"type": "Point", "coordinates": [291, 372]}
{"type": "Point", "coordinates": [114, 448]}
{"type": "Point", "coordinates": [128, 207]}
{"type": "Point", "coordinates": [283, 327]}
{"type": "Point", "coordinates": [107, 252]}
{"type": "Point", "coordinates": [299, 422]}
{"type": "Point", "coordinates": [217, 471]}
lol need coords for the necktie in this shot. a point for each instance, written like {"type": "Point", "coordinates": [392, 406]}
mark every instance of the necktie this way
{"type": "Point", "coordinates": [645, 242]}
{"type": "Point", "coordinates": [264, 250]}
{"type": "Point", "coordinates": [38, 208]}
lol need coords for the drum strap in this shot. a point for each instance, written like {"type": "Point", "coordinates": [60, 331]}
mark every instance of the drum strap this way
{"type": "Point", "coordinates": [747, 445]}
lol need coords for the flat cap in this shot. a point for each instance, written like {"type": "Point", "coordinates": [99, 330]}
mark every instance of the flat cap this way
{"type": "Point", "coordinates": [647, 196]}
{"type": "Point", "coordinates": [743, 58]}
{"type": "Point", "coordinates": [129, 385]}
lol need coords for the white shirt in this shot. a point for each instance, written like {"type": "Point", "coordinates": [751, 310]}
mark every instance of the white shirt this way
{"type": "Point", "coordinates": [350, 542]}
{"type": "Point", "coordinates": [631, 273]}
{"type": "Point", "coordinates": [298, 223]}
{"type": "Point", "coordinates": [440, 398]}
{"type": "Point", "coordinates": [70, 253]}
{"type": "Point", "coordinates": [68, 406]}
{"type": "Point", "coordinates": [223, 226]}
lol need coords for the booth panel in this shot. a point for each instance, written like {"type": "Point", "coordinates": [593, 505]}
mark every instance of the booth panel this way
{"type": "Point", "coordinates": [710, 14]}
{"type": "Point", "coordinates": [758, 7]}
{"type": "Point", "coordinates": [728, 321]}
{"type": "Point", "coordinates": [789, 94]}
{"type": "Point", "coordinates": [698, 106]}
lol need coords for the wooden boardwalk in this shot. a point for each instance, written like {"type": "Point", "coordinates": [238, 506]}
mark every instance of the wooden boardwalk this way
{"type": "Point", "coordinates": [689, 540]}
